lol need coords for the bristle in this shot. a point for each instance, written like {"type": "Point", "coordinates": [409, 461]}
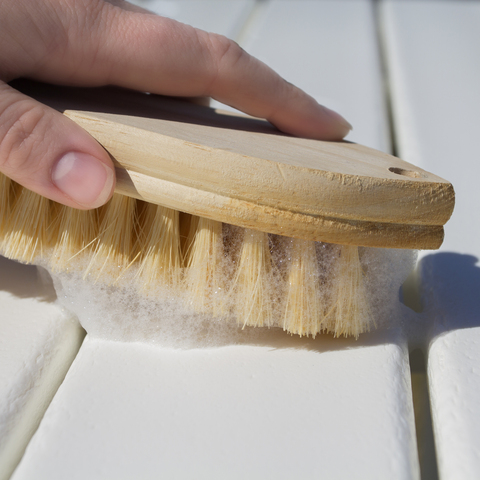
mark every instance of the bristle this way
{"type": "Point", "coordinates": [204, 278]}
{"type": "Point", "coordinates": [75, 233]}
{"type": "Point", "coordinates": [116, 238]}
{"type": "Point", "coordinates": [350, 312]}
{"type": "Point", "coordinates": [26, 235]}
{"type": "Point", "coordinates": [254, 282]}
{"type": "Point", "coordinates": [302, 286]}
{"type": "Point", "coordinates": [304, 305]}
{"type": "Point", "coordinates": [188, 232]}
{"type": "Point", "coordinates": [160, 260]}
{"type": "Point", "coordinates": [5, 204]}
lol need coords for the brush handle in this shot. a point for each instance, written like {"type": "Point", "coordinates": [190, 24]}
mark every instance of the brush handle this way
{"type": "Point", "coordinates": [242, 171]}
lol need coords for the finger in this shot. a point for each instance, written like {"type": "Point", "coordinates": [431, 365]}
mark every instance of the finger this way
{"type": "Point", "coordinates": [156, 54]}
{"type": "Point", "coordinates": [199, 63]}
{"type": "Point", "coordinates": [49, 154]}
{"type": "Point", "coordinates": [244, 82]}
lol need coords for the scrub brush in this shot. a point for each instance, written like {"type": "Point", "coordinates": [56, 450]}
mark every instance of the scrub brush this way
{"type": "Point", "coordinates": [227, 212]}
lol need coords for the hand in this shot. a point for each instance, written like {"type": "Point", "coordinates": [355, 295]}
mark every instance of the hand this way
{"type": "Point", "coordinates": [95, 43]}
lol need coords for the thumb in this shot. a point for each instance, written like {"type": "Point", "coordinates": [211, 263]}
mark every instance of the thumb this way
{"type": "Point", "coordinates": [47, 153]}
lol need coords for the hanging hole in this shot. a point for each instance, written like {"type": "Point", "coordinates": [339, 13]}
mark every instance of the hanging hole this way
{"type": "Point", "coordinates": [405, 173]}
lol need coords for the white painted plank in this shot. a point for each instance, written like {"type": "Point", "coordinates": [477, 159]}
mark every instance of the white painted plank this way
{"type": "Point", "coordinates": [435, 81]}
{"type": "Point", "coordinates": [454, 376]}
{"type": "Point", "coordinates": [37, 345]}
{"type": "Point", "coordinates": [329, 49]}
{"type": "Point", "coordinates": [282, 407]}
{"type": "Point", "coordinates": [289, 409]}
{"type": "Point", "coordinates": [434, 62]}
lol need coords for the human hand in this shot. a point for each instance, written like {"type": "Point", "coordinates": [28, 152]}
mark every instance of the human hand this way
{"type": "Point", "coordinates": [97, 42]}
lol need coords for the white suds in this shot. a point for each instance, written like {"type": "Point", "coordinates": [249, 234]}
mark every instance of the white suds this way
{"type": "Point", "coordinates": [165, 316]}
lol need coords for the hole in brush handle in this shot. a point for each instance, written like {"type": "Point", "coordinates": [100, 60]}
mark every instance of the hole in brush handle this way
{"type": "Point", "coordinates": [406, 173]}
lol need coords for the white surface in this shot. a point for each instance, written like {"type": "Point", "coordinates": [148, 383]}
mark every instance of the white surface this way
{"type": "Point", "coordinates": [329, 49]}
{"type": "Point", "coordinates": [434, 53]}
{"type": "Point", "coordinates": [454, 375]}
{"type": "Point", "coordinates": [452, 284]}
{"type": "Point", "coordinates": [37, 344]}
{"type": "Point", "coordinates": [283, 407]}
{"type": "Point", "coordinates": [290, 409]}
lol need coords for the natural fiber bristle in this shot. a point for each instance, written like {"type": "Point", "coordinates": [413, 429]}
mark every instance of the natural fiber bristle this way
{"type": "Point", "coordinates": [253, 285]}
{"type": "Point", "coordinates": [113, 253]}
{"type": "Point", "coordinates": [204, 278]}
{"type": "Point", "coordinates": [350, 313]}
{"type": "Point", "coordinates": [160, 258]}
{"type": "Point", "coordinates": [74, 233]}
{"type": "Point", "coordinates": [5, 203]}
{"type": "Point", "coordinates": [26, 231]}
{"type": "Point", "coordinates": [304, 305]}
{"type": "Point", "coordinates": [220, 270]}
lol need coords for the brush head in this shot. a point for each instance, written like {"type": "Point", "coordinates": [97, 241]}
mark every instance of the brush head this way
{"type": "Point", "coordinates": [242, 171]}
{"type": "Point", "coordinates": [146, 256]}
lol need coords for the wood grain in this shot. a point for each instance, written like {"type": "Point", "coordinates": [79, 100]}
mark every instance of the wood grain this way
{"type": "Point", "coordinates": [242, 171]}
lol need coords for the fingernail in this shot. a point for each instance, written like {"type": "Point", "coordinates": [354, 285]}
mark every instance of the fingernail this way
{"type": "Point", "coordinates": [83, 178]}
{"type": "Point", "coordinates": [338, 118]}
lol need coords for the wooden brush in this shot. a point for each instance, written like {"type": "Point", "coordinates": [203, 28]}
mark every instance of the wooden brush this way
{"type": "Point", "coordinates": [236, 217]}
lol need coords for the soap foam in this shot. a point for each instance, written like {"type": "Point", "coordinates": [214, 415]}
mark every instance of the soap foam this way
{"type": "Point", "coordinates": [165, 316]}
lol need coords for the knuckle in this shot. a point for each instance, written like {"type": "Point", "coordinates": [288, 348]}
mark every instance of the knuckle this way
{"type": "Point", "coordinates": [22, 128]}
{"type": "Point", "coordinates": [225, 54]}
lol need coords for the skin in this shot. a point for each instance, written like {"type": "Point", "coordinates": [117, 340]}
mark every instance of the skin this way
{"type": "Point", "coordinates": [95, 43]}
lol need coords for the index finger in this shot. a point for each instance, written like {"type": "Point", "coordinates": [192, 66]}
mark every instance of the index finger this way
{"type": "Point", "coordinates": [152, 53]}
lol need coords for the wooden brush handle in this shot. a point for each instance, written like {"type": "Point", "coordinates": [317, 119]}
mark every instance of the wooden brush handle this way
{"type": "Point", "coordinates": [242, 171]}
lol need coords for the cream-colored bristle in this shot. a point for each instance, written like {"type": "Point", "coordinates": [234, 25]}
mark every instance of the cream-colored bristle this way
{"type": "Point", "coordinates": [204, 278]}
{"type": "Point", "coordinates": [114, 251]}
{"type": "Point", "coordinates": [5, 204]}
{"type": "Point", "coordinates": [304, 308]}
{"type": "Point", "coordinates": [26, 231]}
{"type": "Point", "coordinates": [189, 227]}
{"type": "Point", "coordinates": [254, 281]}
{"type": "Point", "coordinates": [350, 312]}
{"type": "Point", "coordinates": [160, 260]}
{"type": "Point", "coordinates": [301, 288]}
{"type": "Point", "coordinates": [75, 232]}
